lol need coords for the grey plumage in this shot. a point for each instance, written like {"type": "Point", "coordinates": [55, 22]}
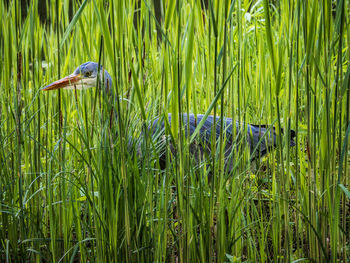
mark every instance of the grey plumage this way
{"type": "Point", "coordinates": [260, 138]}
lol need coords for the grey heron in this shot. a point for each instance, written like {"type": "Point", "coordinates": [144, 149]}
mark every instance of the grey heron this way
{"type": "Point", "coordinates": [260, 138]}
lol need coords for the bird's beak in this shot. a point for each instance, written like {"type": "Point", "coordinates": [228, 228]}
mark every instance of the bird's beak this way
{"type": "Point", "coordinates": [64, 82]}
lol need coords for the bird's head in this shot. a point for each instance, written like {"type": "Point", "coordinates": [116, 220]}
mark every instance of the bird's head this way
{"type": "Point", "coordinates": [85, 76]}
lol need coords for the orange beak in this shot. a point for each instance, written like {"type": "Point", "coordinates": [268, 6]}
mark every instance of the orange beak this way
{"type": "Point", "coordinates": [64, 82]}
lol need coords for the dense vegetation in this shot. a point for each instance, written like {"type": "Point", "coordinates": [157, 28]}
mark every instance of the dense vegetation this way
{"type": "Point", "coordinates": [71, 189]}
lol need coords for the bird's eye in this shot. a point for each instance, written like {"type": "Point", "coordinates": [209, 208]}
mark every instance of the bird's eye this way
{"type": "Point", "coordinates": [88, 74]}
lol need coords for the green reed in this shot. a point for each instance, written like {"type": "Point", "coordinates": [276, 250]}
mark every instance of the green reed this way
{"type": "Point", "coordinates": [73, 187]}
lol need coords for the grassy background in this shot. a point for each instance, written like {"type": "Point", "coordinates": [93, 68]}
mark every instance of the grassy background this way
{"type": "Point", "coordinates": [71, 188]}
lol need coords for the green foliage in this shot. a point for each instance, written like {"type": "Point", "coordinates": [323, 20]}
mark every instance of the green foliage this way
{"type": "Point", "coordinates": [77, 184]}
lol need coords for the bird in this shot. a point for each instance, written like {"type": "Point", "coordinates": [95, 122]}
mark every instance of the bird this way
{"type": "Point", "coordinates": [260, 139]}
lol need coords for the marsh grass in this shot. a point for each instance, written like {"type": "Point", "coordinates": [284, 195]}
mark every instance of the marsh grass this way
{"type": "Point", "coordinates": [73, 184]}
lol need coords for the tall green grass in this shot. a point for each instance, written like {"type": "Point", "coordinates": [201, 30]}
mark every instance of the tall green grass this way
{"type": "Point", "coordinates": [73, 187]}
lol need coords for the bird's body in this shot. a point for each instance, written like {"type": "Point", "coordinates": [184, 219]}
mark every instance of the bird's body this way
{"type": "Point", "coordinates": [260, 138]}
